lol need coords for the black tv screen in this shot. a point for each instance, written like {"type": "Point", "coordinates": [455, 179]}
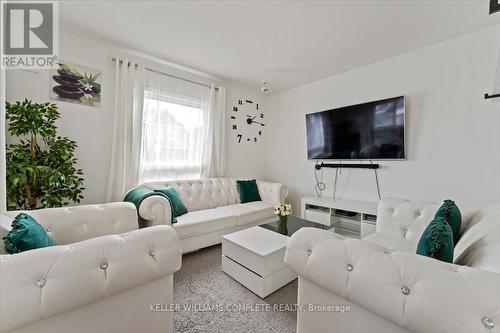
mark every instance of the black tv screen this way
{"type": "Point", "coordinates": [370, 131]}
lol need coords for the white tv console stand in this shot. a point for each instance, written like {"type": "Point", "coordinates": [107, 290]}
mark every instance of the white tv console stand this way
{"type": "Point", "coordinates": [355, 219]}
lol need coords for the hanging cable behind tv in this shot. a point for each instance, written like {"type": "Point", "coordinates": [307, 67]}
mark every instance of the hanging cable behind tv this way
{"type": "Point", "coordinates": [320, 185]}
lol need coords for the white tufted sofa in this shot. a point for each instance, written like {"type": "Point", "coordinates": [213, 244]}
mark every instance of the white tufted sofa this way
{"type": "Point", "coordinates": [214, 209]}
{"type": "Point", "coordinates": [389, 288]}
{"type": "Point", "coordinates": [93, 280]}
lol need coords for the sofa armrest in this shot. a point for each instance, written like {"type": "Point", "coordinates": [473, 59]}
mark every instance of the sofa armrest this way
{"type": "Point", "coordinates": [155, 210]}
{"type": "Point", "coordinates": [42, 283]}
{"type": "Point", "coordinates": [77, 223]}
{"type": "Point", "coordinates": [415, 292]}
{"type": "Point", "coordinates": [272, 193]}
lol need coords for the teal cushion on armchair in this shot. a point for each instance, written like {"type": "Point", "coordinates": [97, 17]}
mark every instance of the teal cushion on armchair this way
{"type": "Point", "coordinates": [450, 211]}
{"type": "Point", "coordinates": [437, 241]}
{"type": "Point", "coordinates": [26, 234]}
{"type": "Point", "coordinates": [248, 190]}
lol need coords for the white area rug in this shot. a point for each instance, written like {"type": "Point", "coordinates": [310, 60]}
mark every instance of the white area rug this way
{"type": "Point", "coordinates": [211, 301]}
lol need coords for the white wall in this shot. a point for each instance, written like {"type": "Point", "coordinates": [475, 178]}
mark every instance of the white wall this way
{"type": "Point", "coordinates": [453, 134]}
{"type": "Point", "coordinates": [246, 159]}
{"type": "Point", "coordinates": [91, 128]}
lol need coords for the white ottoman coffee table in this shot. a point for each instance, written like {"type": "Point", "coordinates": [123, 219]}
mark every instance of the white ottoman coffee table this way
{"type": "Point", "coordinates": [255, 258]}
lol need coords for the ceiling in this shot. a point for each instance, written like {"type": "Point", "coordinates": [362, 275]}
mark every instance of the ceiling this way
{"type": "Point", "coordinates": [288, 43]}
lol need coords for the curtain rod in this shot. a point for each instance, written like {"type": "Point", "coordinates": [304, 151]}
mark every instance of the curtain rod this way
{"type": "Point", "coordinates": [114, 59]}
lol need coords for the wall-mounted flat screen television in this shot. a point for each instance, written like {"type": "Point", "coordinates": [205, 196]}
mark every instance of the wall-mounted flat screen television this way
{"type": "Point", "coordinates": [368, 131]}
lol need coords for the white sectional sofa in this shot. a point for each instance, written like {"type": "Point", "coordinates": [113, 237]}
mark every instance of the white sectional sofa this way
{"type": "Point", "coordinates": [214, 209]}
{"type": "Point", "coordinates": [103, 276]}
{"type": "Point", "coordinates": [389, 288]}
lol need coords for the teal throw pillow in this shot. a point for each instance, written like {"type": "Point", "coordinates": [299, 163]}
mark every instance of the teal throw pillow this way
{"type": "Point", "coordinates": [26, 234]}
{"type": "Point", "coordinates": [437, 241]}
{"type": "Point", "coordinates": [248, 190]}
{"type": "Point", "coordinates": [178, 207]}
{"type": "Point", "coordinates": [449, 211]}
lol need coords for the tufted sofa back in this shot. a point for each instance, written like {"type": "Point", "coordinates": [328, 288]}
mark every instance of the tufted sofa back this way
{"type": "Point", "coordinates": [479, 244]}
{"type": "Point", "coordinates": [87, 221]}
{"type": "Point", "coordinates": [198, 194]}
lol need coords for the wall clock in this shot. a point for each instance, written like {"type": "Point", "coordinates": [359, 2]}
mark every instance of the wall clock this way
{"type": "Point", "coordinates": [247, 121]}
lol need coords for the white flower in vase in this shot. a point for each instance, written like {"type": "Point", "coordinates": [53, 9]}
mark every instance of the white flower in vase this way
{"type": "Point", "coordinates": [283, 210]}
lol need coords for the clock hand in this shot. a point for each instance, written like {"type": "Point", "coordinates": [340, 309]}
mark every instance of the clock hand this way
{"type": "Point", "coordinates": [251, 117]}
{"type": "Point", "coordinates": [258, 123]}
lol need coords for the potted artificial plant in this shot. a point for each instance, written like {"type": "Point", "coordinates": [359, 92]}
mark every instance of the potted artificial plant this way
{"type": "Point", "coordinates": [41, 167]}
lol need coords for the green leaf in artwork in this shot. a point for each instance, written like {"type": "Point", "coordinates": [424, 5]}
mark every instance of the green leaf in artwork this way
{"type": "Point", "coordinates": [68, 68]}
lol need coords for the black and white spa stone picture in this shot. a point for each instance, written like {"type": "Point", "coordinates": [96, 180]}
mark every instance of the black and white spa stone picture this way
{"type": "Point", "coordinates": [76, 84]}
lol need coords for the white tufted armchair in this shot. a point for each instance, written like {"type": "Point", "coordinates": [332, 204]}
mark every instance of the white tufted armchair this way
{"type": "Point", "coordinates": [93, 280]}
{"type": "Point", "coordinates": [381, 285]}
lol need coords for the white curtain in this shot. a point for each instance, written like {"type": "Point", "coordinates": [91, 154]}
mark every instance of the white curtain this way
{"type": "Point", "coordinates": [214, 154]}
{"type": "Point", "coordinates": [182, 136]}
{"type": "Point", "coordinates": [127, 128]}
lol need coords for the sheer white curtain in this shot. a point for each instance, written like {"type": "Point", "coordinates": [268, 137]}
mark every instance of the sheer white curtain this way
{"type": "Point", "coordinates": [214, 154]}
{"type": "Point", "coordinates": [181, 129]}
{"type": "Point", "coordinates": [127, 129]}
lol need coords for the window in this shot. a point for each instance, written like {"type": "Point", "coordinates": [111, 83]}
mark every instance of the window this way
{"type": "Point", "coordinates": [173, 133]}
